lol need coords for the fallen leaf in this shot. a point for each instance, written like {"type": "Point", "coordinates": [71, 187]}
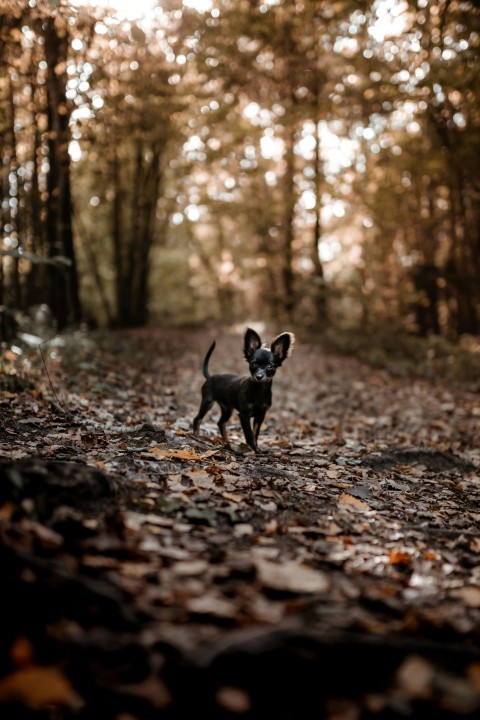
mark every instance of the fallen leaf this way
{"type": "Point", "coordinates": [470, 595]}
{"type": "Point", "coordinates": [242, 529]}
{"type": "Point", "coordinates": [6, 511]}
{"type": "Point", "coordinates": [291, 577]}
{"type": "Point", "coordinates": [415, 677]}
{"type": "Point", "coordinates": [234, 497]}
{"type": "Point", "coordinates": [190, 568]}
{"type": "Point", "coordinates": [181, 453]}
{"type": "Point", "coordinates": [215, 470]}
{"type": "Point", "coordinates": [200, 478]}
{"type": "Point", "coordinates": [475, 545]}
{"type": "Point", "coordinates": [349, 502]}
{"type": "Point", "coordinates": [39, 687]}
{"type": "Point", "coordinates": [22, 652]}
{"type": "Point", "coordinates": [399, 557]}
{"type": "Point", "coordinates": [473, 672]}
{"type": "Point", "coordinates": [212, 605]}
{"type": "Point", "coordinates": [332, 473]}
{"type": "Point", "coordinates": [331, 528]}
{"type": "Point", "coordinates": [233, 699]}
{"type": "Point", "coordinates": [271, 526]}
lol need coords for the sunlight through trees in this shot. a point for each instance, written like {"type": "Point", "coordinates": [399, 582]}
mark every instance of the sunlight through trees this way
{"type": "Point", "coordinates": [173, 161]}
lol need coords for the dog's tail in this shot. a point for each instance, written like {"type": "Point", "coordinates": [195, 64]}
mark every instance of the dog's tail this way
{"type": "Point", "coordinates": [207, 358]}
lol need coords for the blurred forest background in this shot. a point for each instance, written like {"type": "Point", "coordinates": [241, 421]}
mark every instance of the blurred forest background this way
{"type": "Point", "coordinates": [310, 163]}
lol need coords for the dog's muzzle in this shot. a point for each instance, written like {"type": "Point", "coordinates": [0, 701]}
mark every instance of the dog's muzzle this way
{"type": "Point", "coordinates": [261, 377]}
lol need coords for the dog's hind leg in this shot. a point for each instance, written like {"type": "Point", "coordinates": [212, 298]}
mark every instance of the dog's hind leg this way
{"type": "Point", "coordinates": [222, 422]}
{"type": "Point", "coordinates": [204, 408]}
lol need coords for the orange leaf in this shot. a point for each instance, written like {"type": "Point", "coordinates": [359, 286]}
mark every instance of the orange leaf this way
{"type": "Point", "coordinates": [39, 687]}
{"type": "Point", "coordinates": [352, 503]}
{"type": "Point", "coordinates": [21, 652]}
{"type": "Point", "coordinates": [397, 557]}
{"type": "Point", "coordinates": [6, 511]}
{"type": "Point", "coordinates": [181, 453]}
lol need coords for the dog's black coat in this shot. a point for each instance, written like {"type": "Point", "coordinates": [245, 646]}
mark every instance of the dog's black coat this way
{"type": "Point", "coordinates": [251, 396]}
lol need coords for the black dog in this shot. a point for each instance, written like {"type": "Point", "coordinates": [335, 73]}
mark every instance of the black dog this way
{"type": "Point", "coordinates": [251, 396]}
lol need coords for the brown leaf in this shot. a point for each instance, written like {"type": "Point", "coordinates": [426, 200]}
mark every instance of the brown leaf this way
{"type": "Point", "coordinates": [6, 511]}
{"type": "Point", "coordinates": [475, 545]}
{"type": "Point", "coordinates": [190, 568]}
{"type": "Point", "coordinates": [38, 687]}
{"type": "Point", "coordinates": [209, 604]}
{"type": "Point", "coordinates": [291, 577]}
{"type": "Point", "coordinates": [470, 595]}
{"type": "Point", "coordinates": [200, 478]}
{"type": "Point", "coordinates": [415, 677]}
{"type": "Point", "coordinates": [234, 497]}
{"type": "Point", "coordinates": [181, 453]}
{"type": "Point", "coordinates": [21, 652]}
{"type": "Point", "coordinates": [349, 502]}
{"type": "Point", "coordinates": [233, 699]}
{"type": "Point", "coordinates": [399, 557]}
{"type": "Point", "coordinates": [271, 526]}
{"type": "Point", "coordinates": [333, 473]}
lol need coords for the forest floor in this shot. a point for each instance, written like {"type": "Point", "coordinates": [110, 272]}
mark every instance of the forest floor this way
{"type": "Point", "coordinates": [148, 573]}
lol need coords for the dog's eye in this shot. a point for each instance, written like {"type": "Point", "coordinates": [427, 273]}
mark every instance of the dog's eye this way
{"type": "Point", "coordinates": [270, 367]}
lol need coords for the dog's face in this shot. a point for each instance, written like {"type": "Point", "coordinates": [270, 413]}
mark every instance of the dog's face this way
{"type": "Point", "coordinates": [263, 362]}
{"type": "Point", "coordinates": [262, 365]}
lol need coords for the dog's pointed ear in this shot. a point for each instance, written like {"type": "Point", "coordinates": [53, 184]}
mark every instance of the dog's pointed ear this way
{"type": "Point", "coordinates": [251, 343]}
{"type": "Point", "coordinates": [282, 346]}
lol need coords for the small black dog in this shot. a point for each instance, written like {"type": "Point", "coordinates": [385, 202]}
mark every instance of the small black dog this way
{"type": "Point", "coordinates": [251, 396]}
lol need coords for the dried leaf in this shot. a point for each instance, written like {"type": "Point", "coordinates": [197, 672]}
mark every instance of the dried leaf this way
{"type": "Point", "coordinates": [212, 605]}
{"type": "Point", "coordinates": [181, 453]}
{"type": "Point", "coordinates": [399, 557]}
{"type": "Point", "coordinates": [332, 473]}
{"type": "Point", "coordinates": [271, 526]}
{"type": "Point", "coordinates": [291, 577]}
{"type": "Point", "coordinates": [200, 478]}
{"type": "Point", "coordinates": [39, 687]}
{"type": "Point", "coordinates": [470, 595]}
{"type": "Point", "coordinates": [233, 699]}
{"type": "Point", "coordinates": [234, 497]}
{"type": "Point", "coordinates": [349, 502]}
{"type": "Point", "coordinates": [243, 529]}
{"type": "Point", "coordinates": [415, 677]}
{"type": "Point", "coordinates": [190, 567]}
{"type": "Point", "coordinates": [475, 545]}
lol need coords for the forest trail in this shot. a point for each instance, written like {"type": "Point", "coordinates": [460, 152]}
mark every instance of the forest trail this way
{"type": "Point", "coordinates": [159, 572]}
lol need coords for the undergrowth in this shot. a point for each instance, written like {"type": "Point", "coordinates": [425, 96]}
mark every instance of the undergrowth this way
{"type": "Point", "coordinates": [404, 354]}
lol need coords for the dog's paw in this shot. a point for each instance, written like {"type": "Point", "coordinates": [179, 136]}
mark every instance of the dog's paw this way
{"type": "Point", "coordinates": [241, 449]}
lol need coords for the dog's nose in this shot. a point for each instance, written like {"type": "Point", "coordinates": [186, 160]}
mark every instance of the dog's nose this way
{"type": "Point", "coordinates": [259, 374]}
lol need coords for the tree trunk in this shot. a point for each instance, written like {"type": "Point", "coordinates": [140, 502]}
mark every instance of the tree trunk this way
{"type": "Point", "coordinates": [288, 300]}
{"type": "Point", "coordinates": [15, 218]}
{"type": "Point", "coordinates": [65, 294]}
{"type": "Point", "coordinates": [320, 299]}
{"type": "Point", "coordinates": [36, 279]}
{"type": "Point", "coordinates": [117, 237]}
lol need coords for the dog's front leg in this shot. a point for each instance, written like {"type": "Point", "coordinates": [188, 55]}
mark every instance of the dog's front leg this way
{"type": "Point", "coordinates": [247, 430]}
{"type": "Point", "coordinates": [258, 418]}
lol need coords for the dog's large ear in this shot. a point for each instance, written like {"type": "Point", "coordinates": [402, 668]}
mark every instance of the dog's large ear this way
{"type": "Point", "coordinates": [251, 343]}
{"type": "Point", "coordinates": [282, 346]}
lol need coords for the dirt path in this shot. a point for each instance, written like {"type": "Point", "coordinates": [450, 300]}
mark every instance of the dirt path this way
{"type": "Point", "coordinates": [158, 572]}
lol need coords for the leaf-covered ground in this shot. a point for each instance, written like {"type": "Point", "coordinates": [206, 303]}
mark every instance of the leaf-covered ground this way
{"type": "Point", "coordinates": [150, 573]}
